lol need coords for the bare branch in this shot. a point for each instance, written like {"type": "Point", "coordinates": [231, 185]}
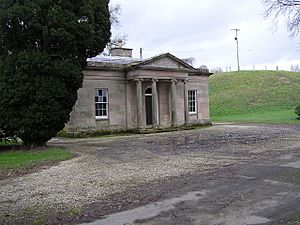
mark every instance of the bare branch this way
{"type": "Point", "coordinates": [114, 41]}
{"type": "Point", "coordinates": [115, 12]}
{"type": "Point", "coordinates": [290, 9]}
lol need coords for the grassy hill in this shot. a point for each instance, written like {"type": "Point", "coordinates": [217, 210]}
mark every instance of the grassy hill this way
{"type": "Point", "coordinates": [255, 96]}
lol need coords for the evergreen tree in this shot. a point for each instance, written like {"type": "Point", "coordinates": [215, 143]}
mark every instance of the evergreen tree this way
{"type": "Point", "coordinates": [44, 45]}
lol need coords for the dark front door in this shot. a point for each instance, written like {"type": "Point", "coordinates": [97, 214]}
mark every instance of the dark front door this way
{"type": "Point", "coordinates": [148, 105]}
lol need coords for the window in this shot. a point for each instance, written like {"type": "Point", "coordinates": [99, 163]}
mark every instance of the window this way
{"type": "Point", "coordinates": [101, 104]}
{"type": "Point", "coordinates": [192, 101]}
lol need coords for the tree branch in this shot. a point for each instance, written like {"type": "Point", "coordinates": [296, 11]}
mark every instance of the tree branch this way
{"type": "Point", "coordinates": [290, 9]}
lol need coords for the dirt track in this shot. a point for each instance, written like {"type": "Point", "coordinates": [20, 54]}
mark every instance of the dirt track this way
{"type": "Point", "coordinates": [233, 166]}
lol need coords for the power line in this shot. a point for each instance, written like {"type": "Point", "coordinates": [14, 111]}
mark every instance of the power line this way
{"type": "Point", "coordinates": [192, 51]}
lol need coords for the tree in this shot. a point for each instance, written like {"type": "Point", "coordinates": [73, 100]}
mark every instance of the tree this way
{"type": "Point", "coordinates": [44, 45]}
{"type": "Point", "coordinates": [191, 61]}
{"type": "Point", "coordinates": [287, 8]}
{"type": "Point", "coordinates": [216, 70]}
{"type": "Point", "coordinates": [115, 12]}
{"type": "Point", "coordinates": [114, 42]}
{"type": "Point", "coordinates": [295, 68]}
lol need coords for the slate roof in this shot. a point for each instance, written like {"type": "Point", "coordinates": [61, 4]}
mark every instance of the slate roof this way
{"type": "Point", "coordinates": [113, 60]}
{"type": "Point", "coordinates": [116, 61]}
{"type": "Point", "coordinates": [120, 63]}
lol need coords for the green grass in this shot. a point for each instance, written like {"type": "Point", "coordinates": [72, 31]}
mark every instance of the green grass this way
{"type": "Point", "coordinates": [273, 117]}
{"type": "Point", "coordinates": [28, 159]}
{"type": "Point", "coordinates": [255, 96]}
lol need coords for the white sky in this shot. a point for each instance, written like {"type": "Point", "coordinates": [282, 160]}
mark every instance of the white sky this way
{"type": "Point", "coordinates": [202, 29]}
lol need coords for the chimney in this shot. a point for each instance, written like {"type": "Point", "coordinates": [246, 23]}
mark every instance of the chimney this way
{"type": "Point", "coordinates": [120, 51]}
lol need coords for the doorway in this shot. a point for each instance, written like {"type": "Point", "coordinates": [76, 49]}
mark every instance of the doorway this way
{"type": "Point", "coordinates": [148, 106]}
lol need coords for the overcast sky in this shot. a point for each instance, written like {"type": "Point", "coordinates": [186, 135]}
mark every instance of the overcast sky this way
{"type": "Point", "coordinates": [202, 29]}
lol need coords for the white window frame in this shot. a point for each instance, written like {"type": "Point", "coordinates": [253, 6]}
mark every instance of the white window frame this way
{"type": "Point", "coordinates": [99, 99]}
{"type": "Point", "coordinates": [192, 100]}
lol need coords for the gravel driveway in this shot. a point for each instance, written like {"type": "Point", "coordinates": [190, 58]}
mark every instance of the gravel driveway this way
{"type": "Point", "coordinates": [116, 173]}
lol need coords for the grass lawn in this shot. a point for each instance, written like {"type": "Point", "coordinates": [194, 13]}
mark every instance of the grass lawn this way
{"type": "Point", "coordinates": [272, 117]}
{"type": "Point", "coordinates": [255, 97]}
{"type": "Point", "coordinates": [15, 160]}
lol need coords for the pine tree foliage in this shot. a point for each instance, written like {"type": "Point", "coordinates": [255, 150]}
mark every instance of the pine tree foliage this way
{"type": "Point", "coordinates": [44, 45]}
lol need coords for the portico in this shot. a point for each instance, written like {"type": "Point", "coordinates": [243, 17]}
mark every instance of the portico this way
{"type": "Point", "coordinates": [141, 117]}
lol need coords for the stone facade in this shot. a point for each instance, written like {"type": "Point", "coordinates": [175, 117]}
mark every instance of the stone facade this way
{"type": "Point", "coordinates": [122, 93]}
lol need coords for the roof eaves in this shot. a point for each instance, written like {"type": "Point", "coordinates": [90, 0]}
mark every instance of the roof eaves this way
{"type": "Point", "coordinates": [198, 72]}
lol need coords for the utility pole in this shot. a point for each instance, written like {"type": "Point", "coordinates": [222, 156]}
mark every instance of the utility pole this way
{"type": "Point", "coordinates": [141, 53]}
{"type": "Point", "coordinates": [237, 47]}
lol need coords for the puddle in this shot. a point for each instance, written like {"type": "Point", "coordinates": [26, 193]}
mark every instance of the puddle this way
{"type": "Point", "coordinates": [293, 165]}
{"type": "Point", "coordinates": [147, 211]}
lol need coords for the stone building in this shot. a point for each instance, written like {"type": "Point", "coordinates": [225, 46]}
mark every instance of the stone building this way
{"type": "Point", "coordinates": [120, 92]}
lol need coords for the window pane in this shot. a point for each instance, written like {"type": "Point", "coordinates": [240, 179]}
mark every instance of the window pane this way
{"type": "Point", "coordinates": [192, 98]}
{"type": "Point", "coordinates": [102, 106]}
{"type": "Point", "coordinates": [101, 103]}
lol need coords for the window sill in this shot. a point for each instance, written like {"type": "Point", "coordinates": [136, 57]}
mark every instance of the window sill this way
{"type": "Point", "coordinates": [101, 118]}
{"type": "Point", "coordinates": [192, 113]}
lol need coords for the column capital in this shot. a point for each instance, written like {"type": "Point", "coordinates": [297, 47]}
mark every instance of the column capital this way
{"type": "Point", "coordinates": [173, 81]}
{"type": "Point", "coordinates": [154, 80]}
{"type": "Point", "coordinates": [185, 80]}
{"type": "Point", "coordinates": [138, 79]}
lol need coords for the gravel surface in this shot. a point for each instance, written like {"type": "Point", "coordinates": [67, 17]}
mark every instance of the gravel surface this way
{"type": "Point", "coordinates": [114, 165]}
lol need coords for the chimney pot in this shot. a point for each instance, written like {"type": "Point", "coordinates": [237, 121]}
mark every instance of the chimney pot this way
{"type": "Point", "coordinates": [120, 43]}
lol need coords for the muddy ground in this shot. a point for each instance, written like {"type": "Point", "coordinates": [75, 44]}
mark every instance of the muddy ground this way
{"type": "Point", "coordinates": [225, 174]}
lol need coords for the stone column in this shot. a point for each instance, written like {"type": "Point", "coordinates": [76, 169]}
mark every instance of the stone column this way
{"type": "Point", "coordinates": [139, 103]}
{"type": "Point", "coordinates": [173, 102]}
{"type": "Point", "coordinates": [186, 106]}
{"type": "Point", "coordinates": [154, 104]}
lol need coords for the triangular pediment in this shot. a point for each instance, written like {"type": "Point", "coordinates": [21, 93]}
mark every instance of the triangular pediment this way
{"type": "Point", "coordinates": [166, 61]}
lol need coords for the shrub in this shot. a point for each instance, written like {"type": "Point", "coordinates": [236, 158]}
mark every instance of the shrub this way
{"type": "Point", "coordinates": [297, 109]}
